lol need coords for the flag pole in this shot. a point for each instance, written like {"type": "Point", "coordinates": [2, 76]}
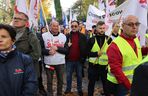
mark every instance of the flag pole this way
{"type": "Point", "coordinates": [44, 15]}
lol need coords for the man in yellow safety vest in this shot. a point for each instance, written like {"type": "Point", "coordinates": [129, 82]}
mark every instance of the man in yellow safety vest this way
{"type": "Point", "coordinates": [124, 55]}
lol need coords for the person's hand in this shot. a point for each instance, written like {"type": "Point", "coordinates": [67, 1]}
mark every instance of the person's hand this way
{"type": "Point", "coordinates": [52, 52]}
{"type": "Point", "coordinates": [54, 48]}
{"type": "Point", "coordinates": [69, 44]}
{"type": "Point", "coordinates": [128, 94]}
{"type": "Point", "coordinates": [99, 53]}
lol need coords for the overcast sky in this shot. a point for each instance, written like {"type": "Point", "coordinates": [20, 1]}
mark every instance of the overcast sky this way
{"type": "Point", "coordinates": [65, 5]}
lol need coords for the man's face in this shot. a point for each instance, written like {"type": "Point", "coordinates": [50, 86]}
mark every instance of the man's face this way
{"type": "Point", "coordinates": [131, 26]}
{"type": "Point", "coordinates": [100, 29]}
{"type": "Point", "coordinates": [116, 28]}
{"type": "Point", "coordinates": [5, 40]}
{"type": "Point", "coordinates": [74, 27]}
{"type": "Point", "coordinates": [55, 28]}
{"type": "Point", "coordinates": [19, 20]}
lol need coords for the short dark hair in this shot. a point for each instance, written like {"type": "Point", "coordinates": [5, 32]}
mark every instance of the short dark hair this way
{"type": "Point", "coordinates": [100, 23]}
{"type": "Point", "coordinates": [10, 30]}
{"type": "Point", "coordinates": [94, 26]}
{"type": "Point", "coordinates": [75, 21]}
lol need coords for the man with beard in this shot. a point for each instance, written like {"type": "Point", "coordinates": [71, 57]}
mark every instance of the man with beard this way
{"type": "Point", "coordinates": [98, 59]}
{"type": "Point", "coordinates": [75, 57]}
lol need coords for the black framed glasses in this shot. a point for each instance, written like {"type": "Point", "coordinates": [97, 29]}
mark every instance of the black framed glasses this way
{"type": "Point", "coordinates": [20, 19]}
{"type": "Point", "coordinates": [133, 24]}
{"type": "Point", "coordinates": [74, 26]}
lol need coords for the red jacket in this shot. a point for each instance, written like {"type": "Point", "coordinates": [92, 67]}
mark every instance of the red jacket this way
{"type": "Point", "coordinates": [115, 60]}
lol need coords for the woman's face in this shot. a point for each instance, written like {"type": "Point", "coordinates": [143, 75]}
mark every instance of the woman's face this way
{"type": "Point", "coordinates": [44, 30]}
{"type": "Point", "coordinates": [6, 41]}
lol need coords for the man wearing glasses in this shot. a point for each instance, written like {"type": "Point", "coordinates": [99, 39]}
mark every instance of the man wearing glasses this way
{"type": "Point", "coordinates": [76, 55]}
{"type": "Point", "coordinates": [26, 41]}
{"type": "Point", "coordinates": [124, 55]}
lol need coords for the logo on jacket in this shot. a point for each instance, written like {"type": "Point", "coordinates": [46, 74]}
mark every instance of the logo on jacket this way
{"type": "Point", "coordinates": [18, 71]}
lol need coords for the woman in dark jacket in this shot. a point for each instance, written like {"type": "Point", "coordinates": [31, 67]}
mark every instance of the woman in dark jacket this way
{"type": "Point", "coordinates": [17, 75]}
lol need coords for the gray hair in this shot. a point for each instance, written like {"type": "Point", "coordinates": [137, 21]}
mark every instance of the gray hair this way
{"type": "Point", "coordinates": [54, 21]}
{"type": "Point", "coordinates": [127, 17]}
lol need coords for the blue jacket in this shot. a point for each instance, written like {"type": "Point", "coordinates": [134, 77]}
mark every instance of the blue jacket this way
{"type": "Point", "coordinates": [17, 75]}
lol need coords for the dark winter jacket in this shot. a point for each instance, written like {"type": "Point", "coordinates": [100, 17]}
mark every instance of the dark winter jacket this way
{"type": "Point", "coordinates": [140, 81]}
{"type": "Point", "coordinates": [29, 44]}
{"type": "Point", "coordinates": [100, 40]}
{"type": "Point", "coordinates": [17, 75]}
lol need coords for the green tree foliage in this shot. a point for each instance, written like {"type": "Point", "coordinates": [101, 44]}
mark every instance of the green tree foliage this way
{"type": "Point", "coordinates": [58, 10]}
{"type": "Point", "coordinates": [81, 7]}
{"type": "Point", "coordinates": [119, 2]}
{"type": "Point", "coordinates": [46, 4]}
{"type": "Point", "coordinates": [6, 11]}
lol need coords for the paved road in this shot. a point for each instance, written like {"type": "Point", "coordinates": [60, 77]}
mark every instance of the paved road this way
{"type": "Point", "coordinates": [98, 87]}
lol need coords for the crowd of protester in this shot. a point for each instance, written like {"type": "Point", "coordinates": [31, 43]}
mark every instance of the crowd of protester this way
{"type": "Point", "coordinates": [24, 54]}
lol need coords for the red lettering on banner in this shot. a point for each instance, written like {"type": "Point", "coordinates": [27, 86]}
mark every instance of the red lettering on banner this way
{"type": "Point", "coordinates": [111, 2]}
{"type": "Point", "coordinates": [35, 8]}
{"type": "Point", "coordinates": [35, 5]}
{"type": "Point", "coordinates": [54, 43]}
{"type": "Point", "coordinates": [142, 1]}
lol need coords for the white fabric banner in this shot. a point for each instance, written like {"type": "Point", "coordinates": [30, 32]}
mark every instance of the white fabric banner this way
{"type": "Point", "coordinates": [93, 16]}
{"type": "Point", "coordinates": [70, 18]}
{"type": "Point", "coordinates": [21, 6]}
{"type": "Point", "coordinates": [110, 6]}
{"type": "Point", "coordinates": [33, 13]}
{"type": "Point", "coordinates": [101, 5]}
{"type": "Point", "coordinates": [133, 7]}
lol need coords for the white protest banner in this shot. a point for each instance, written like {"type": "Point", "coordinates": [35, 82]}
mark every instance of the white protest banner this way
{"type": "Point", "coordinates": [21, 6]}
{"type": "Point", "coordinates": [101, 5]}
{"type": "Point", "coordinates": [110, 6]}
{"type": "Point", "coordinates": [33, 13]}
{"type": "Point", "coordinates": [93, 16]}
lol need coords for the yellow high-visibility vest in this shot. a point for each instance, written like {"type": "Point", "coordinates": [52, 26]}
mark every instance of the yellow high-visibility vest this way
{"type": "Point", "coordinates": [130, 59]}
{"type": "Point", "coordinates": [144, 60]}
{"type": "Point", "coordinates": [103, 59]}
{"type": "Point", "coordinates": [90, 35]}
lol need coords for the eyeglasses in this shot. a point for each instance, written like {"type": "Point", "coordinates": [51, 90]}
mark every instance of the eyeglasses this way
{"type": "Point", "coordinates": [20, 19]}
{"type": "Point", "coordinates": [132, 24]}
{"type": "Point", "coordinates": [74, 26]}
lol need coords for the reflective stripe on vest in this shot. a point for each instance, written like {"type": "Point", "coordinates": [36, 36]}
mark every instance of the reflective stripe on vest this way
{"type": "Point", "coordinates": [103, 59]}
{"type": "Point", "coordinates": [130, 59]}
{"type": "Point", "coordinates": [144, 60]}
